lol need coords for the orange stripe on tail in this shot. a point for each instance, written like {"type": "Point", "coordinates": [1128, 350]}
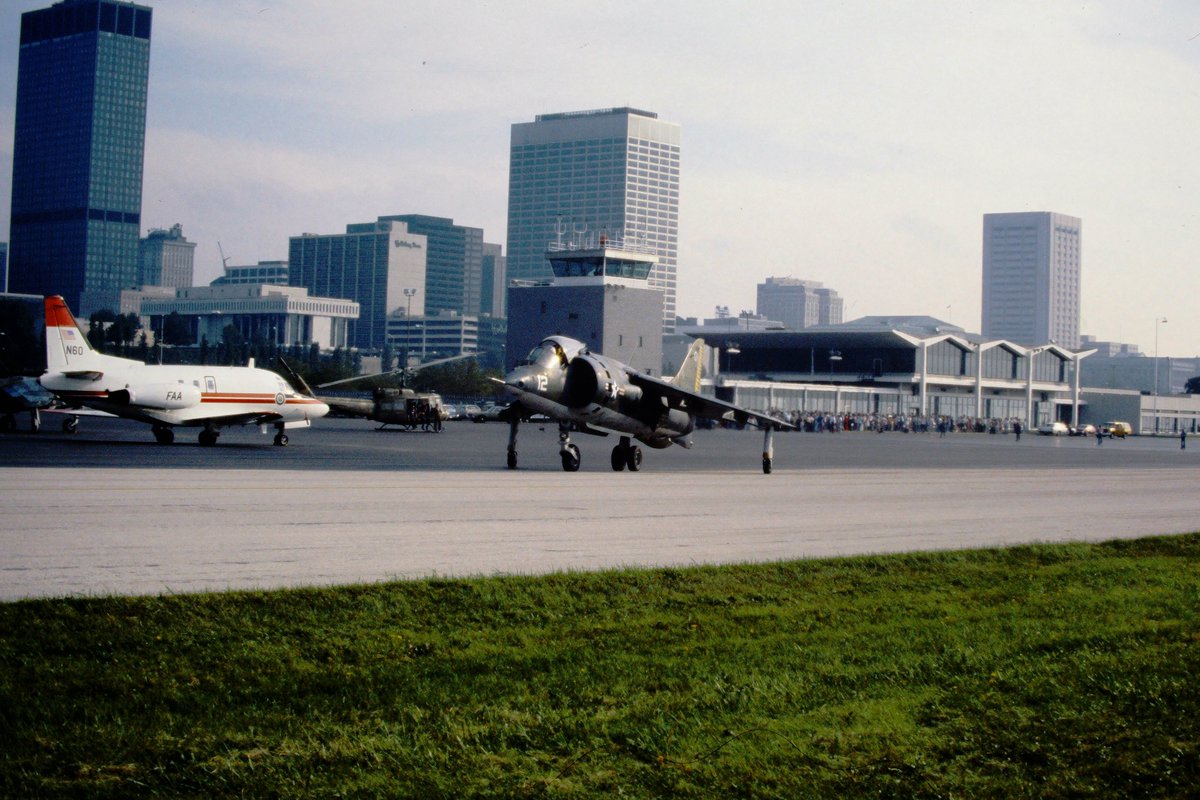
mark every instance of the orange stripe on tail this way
{"type": "Point", "coordinates": [57, 313]}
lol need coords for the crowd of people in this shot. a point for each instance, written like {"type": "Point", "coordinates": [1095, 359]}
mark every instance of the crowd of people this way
{"type": "Point", "coordinates": [825, 422]}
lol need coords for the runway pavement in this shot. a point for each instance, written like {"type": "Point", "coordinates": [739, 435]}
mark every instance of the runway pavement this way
{"type": "Point", "coordinates": [108, 511]}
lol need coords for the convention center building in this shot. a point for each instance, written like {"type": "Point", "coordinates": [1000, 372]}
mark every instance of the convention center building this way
{"type": "Point", "coordinates": [911, 367]}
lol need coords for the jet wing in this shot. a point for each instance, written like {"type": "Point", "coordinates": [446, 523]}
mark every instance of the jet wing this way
{"type": "Point", "coordinates": [699, 405]}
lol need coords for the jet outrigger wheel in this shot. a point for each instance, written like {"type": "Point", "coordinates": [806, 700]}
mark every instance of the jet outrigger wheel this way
{"type": "Point", "coordinates": [625, 455]}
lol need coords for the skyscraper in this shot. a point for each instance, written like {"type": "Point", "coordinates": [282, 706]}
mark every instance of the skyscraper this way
{"type": "Point", "coordinates": [579, 176]}
{"type": "Point", "coordinates": [166, 258]}
{"type": "Point", "coordinates": [1031, 271]}
{"type": "Point", "coordinates": [453, 263]}
{"type": "Point", "coordinates": [380, 265]}
{"type": "Point", "coordinates": [78, 145]}
{"type": "Point", "coordinates": [799, 304]}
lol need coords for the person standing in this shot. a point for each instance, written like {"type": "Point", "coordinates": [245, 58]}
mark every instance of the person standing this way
{"type": "Point", "coordinates": [1017, 429]}
{"type": "Point", "coordinates": [1183, 440]}
{"type": "Point", "coordinates": [1099, 436]}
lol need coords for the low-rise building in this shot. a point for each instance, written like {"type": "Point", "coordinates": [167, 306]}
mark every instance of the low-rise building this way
{"type": "Point", "coordinates": [285, 315]}
{"type": "Point", "coordinates": [912, 366]}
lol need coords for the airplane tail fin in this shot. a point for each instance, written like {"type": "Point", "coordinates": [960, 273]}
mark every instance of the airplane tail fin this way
{"type": "Point", "coordinates": [67, 347]}
{"type": "Point", "coordinates": [688, 377]}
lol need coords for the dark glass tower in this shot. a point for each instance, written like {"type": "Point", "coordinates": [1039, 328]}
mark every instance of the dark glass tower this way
{"type": "Point", "coordinates": [78, 146]}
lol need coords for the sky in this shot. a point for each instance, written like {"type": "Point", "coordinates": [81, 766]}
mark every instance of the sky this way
{"type": "Point", "coordinates": [854, 143]}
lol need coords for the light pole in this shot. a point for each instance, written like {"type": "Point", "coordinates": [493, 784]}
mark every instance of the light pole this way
{"type": "Point", "coordinates": [408, 293]}
{"type": "Point", "coordinates": [1157, 320]}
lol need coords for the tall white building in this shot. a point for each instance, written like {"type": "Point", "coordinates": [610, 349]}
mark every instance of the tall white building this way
{"type": "Point", "coordinates": [579, 176]}
{"type": "Point", "coordinates": [1031, 269]}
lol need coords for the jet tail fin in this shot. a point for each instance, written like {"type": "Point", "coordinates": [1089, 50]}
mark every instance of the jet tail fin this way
{"type": "Point", "coordinates": [688, 377]}
{"type": "Point", "coordinates": [67, 347]}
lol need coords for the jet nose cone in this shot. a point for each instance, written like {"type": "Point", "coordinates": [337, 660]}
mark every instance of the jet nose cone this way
{"type": "Point", "coordinates": [318, 410]}
{"type": "Point", "coordinates": [521, 380]}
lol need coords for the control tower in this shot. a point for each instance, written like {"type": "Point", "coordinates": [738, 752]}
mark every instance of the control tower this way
{"type": "Point", "coordinates": [600, 294]}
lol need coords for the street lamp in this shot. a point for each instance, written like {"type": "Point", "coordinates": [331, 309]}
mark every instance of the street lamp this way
{"type": "Point", "coordinates": [408, 293]}
{"type": "Point", "coordinates": [1157, 320]}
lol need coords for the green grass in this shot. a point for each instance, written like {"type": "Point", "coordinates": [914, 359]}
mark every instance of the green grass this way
{"type": "Point", "coordinates": [1048, 671]}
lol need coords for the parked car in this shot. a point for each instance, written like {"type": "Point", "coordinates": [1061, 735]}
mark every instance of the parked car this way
{"type": "Point", "coordinates": [491, 413]}
{"type": "Point", "coordinates": [1053, 429]}
{"type": "Point", "coordinates": [1121, 429]}
{"type": "Point", "coordinates": [452, 412]}
{"type": "Point", "coordinates": [470, 411]}
{"type": "Point", "coordinates": [1086, 429]}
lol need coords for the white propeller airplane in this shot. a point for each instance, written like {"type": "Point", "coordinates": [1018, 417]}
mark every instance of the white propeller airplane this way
{"type": "Point", "coordinates": [167, 397]}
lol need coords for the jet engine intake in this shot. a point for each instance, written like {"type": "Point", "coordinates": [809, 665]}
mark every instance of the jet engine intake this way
{"type": "Point", "coordinates": [588, 381]}
{"type": "Point", "coordinates": [167, 396]}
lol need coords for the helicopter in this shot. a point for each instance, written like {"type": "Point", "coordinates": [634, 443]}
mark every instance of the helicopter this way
{"type": "Point", "coordinates": [402, 407]}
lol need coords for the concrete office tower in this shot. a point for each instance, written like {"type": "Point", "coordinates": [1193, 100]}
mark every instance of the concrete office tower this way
{"type": "Point", "coordinates": [77, 149]}
{"type": "Point", "coordinates": [3, 266]}
{"type": "Point", "coordinates": [166, 258]}
{"type": "Point", "coordinates": [577, 176]}
{"type": "Point", "coordinates": [1031, 271]}
{"type": "Point", "coordinates": [379, 265]}
{"type": "Point", "coordinates": [453, 263]}
{"type": "Point", "coordinates": [798, 304]}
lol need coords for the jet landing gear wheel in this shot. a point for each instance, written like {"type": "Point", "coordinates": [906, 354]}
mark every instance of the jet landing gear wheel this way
{"type": "Point", "coordinates": [625, 455]}
{"type": "Point", "coordinates": [208, 437]}
{"type": "Point", "coordinates": [766, 465]}
{"type": "Point", "coordinates": [570, 458]}
{"type": "Point", "coordinates": [163, 434]}
{"type": "Point", "coordinates": [281, 439]}
{"type": "Point", "coordinates": [71, 424]}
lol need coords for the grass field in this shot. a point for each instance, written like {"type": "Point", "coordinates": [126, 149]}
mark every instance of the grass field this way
{"type": "Point", "coordinates": [1059, 671]}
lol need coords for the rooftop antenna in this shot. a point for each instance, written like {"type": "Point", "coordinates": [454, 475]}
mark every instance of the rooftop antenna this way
{"type": "Point", "coordinates": [578, 230]}
{"type": "Point", "coordinates": [559, 229]}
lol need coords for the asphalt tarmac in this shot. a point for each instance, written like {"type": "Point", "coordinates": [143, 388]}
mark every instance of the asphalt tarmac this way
{"type": "Point", "coordinates": [108, 511]}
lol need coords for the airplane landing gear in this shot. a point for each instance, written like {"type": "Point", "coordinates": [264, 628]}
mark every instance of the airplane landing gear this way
{"type": "Point", "coordinates": [625, 455]}
{"type": "Point", "coordinates": [768, 449]}
{"type": "Point", "coordinates": [512, 442]}
{"type": "Point", "coordinates": [71, 424]}
{"type": "Point", "coordinates": [163, 434]}
{"type": "Point", "coordinates": [281, 439]}
{"type": "Point", "coordinates": [570, 458]}
{"type": "Point", "coordinates": [208, 437]}
{"type": "Point", "coordinates": [567, 451]}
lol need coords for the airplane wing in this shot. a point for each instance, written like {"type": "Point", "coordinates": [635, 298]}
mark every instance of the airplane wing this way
{"type": "Point", "coordinates": [699, 405]}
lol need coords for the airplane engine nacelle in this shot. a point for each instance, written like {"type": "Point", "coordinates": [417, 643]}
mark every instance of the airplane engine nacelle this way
{"type": "Point", "coordinates": [589, 381]}
{"type": "Point", "coordinates": [676, 423]}
{"type": "Point", "coordinates": [166, 396]}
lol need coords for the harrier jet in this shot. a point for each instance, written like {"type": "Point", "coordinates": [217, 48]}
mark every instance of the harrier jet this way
{"type": "Point", "coordinates": [590, 393]}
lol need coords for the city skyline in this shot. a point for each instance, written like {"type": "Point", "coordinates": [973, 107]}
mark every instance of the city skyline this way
{"type": "Point", "coordinates": [855, 145]}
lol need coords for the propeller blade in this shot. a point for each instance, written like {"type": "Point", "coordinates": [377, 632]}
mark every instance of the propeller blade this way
{"type": "Point", "coordinates": [296, 379]}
